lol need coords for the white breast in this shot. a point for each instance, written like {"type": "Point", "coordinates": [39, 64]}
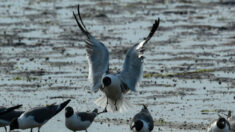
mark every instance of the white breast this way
{"type": "Point", "coordinates": [27, 122]}
{"type": "Point", "coordinates": [74, 123]}
{"type": "Point", "coordinates": [113, 91]}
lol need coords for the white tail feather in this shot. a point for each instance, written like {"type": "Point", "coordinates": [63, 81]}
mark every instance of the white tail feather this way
{"type": "Point", "coordinates": [122, 104]}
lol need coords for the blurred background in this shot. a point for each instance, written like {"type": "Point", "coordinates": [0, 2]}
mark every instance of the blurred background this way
{"type": "Point", "coordinates": [188, 68]}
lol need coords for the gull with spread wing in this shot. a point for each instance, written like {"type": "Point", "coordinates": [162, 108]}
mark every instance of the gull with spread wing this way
{"type": "Point", "coordinates": [114, 86]}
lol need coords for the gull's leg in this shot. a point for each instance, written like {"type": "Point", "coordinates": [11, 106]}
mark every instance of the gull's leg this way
{"type": "Point", "coordinates": [105, 109]}
{"type": "Point", "coordinates": [5, 128]}
{"type": "Point", "coordinates": [39, 129]}
{"type": "Point", "coordinates": [116, 105]}
{"type": "Point", "coordinates": [31, 130]}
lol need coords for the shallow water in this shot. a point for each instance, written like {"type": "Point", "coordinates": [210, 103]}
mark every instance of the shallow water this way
{"type": "Point", "coordinates": [188, 70]}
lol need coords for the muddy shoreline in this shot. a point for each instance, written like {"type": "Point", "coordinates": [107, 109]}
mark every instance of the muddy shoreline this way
{"type": "Point", "coordinates": [188, 68]}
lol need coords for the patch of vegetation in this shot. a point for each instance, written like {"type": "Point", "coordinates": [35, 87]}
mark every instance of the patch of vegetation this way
{"type": "Point", "coordinates": [208, 111]}
{"type": "Point", "coordinates": [156, 75]}
{"type": "Point", "coordinates": [17, 78]}
{"type": "Point", "coordinates": [152, 74]}
{"type": "Point", "coordinates": [160, 122]}
{"type": "Point", "coordinates": [33, 79]}
{"type": "Point", "coordinates": [47, 22]}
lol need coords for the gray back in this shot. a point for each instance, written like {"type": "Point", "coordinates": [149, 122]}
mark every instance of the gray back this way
{"type": "Point", "coordinates": [42, 114]}
{"type": "Point", "coordinates": [85, 116]}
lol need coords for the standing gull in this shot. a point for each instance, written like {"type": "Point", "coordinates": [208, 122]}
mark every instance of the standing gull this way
{"type": "Point", "coordinates": [113, 85]}
{"type": "Point", "coordinates": [8, 114]}
{"type": "Point", "coordinates": [78, 121]}
{"type": "Point", "coordinates": [219, 125]}
{"type": "Point", "coordinates": [142, 121]}
{"type": "Point", "coordinates": [37, 117]}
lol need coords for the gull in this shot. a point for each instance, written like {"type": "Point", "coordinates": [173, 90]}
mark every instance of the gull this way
{"type": "Point", "coordinates": [37, 117]}
{"type": "Point", "coordinates": [8, 114]}
{"type": "Point", "coordinates": [231, 120]}
{"type": "Point", "coordinates": [219, 125]}
{"type": "Point", "coordinates": [114, 86]}
{"type": "Point", "coordinates": [142, 121]}
{"type": "Point", "coordinates": [77, 121]}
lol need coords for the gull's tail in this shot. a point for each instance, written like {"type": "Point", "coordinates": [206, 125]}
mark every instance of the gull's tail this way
{"type": "Point", "coordinates": [122, 104]}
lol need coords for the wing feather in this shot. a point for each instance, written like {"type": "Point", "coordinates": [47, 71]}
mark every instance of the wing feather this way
{"type": "Point", "coordinates": [97, 54]}
{"type": "Point", "coordinates": [133, 65]}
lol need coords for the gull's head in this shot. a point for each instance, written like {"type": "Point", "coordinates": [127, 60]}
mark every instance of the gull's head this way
{"type": "Point", "coordinates": [106, 81]}
{"type": "Point", "coordinates": [221, 123]}
{"type": "Point", "coordinates": [68, 112]}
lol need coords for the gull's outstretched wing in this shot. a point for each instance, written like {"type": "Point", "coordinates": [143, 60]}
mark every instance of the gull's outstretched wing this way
{"type": "Point", "coordinates": [132, 67]}
{"type": "Point", "coordinates": [97, 54]}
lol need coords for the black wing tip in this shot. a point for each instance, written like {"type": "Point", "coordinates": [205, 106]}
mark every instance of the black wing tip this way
{"type": "Point", "coordinates": [11, 109]}
{"type": "Point", "coordinates": [155, 26]}
{"type": "Point", "coordinates": [78, 7]}
{"type": "Point", "coordinates": [62, 106]}
{"type": "Point", "coordinates": [20, 105]}
{"type": "Point", "coordinates": [15, 107]}
{"type": "Point", "coordinates": [80, 24]}
{"type": "Point", "coordinates": [66, 102]}
{"type": "Point", "coordinates": [153, 29]}
{"type": "Point", "coordinates": [157, 22]}
{"type": "Point", "coordinates": [74, 15]}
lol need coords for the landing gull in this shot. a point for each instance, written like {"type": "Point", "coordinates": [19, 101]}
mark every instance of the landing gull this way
{"type": "Point", "coordinates": [114, 86]}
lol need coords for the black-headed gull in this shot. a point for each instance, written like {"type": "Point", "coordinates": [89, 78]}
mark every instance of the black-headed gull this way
{"type": "Point", "coordinates": [78, 121]}
{"type": "Point", "coordinates": [219, 125]}
{"type": "Point", "coordinates": [142, 121]}
{"type": "Point", "coordinates": [113, 85]}
{"type": "Point", "coordinates": [36, 117]}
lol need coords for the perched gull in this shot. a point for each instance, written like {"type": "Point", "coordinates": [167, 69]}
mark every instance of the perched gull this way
{"type": "Point", "coordinates": [113, 85]}
{"type": "Point", "coordinates": [231, 120]}
{"type": "Point", "coordinates": [77, 121]}
{"type": "Point", "coordinates": [142, 121]}
{"type": "Point", "coordinates": [8, 114]}
{"type": "Point", "coordinates": [37, 117]}
{"type": "Point", "coordinates": [219, 125]}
